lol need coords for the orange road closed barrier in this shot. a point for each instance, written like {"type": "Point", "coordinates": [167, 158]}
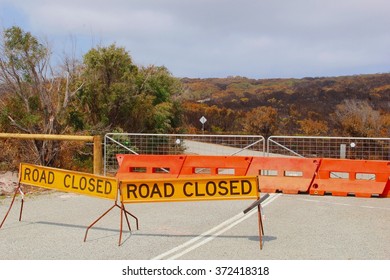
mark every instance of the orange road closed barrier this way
{"type": "Point", "coordinates": [215, 165]}
{"type": "Point", "coordinates": [288, 175]}
{"type": "Point", "coordinates": [149, 166]}
{"type": "Point", "coordinates": [171, 166]}
{"type": "Point", "coordinates": [362, 178]}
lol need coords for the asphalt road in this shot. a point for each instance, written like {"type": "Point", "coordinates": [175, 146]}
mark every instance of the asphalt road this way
{"type": "Point", "coordinates": [297, 227]}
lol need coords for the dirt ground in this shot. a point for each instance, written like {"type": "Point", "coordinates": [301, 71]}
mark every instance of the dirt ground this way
{"type": "Point", "coordinates": [8, 182]}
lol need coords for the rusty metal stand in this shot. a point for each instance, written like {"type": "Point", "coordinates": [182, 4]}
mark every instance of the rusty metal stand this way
{"type": "Point", "coordinates": [17, 190]}
{"type": "Point", "coordinates": [260, 220]}
{"type": "Point", "coordinates": [261, 228]}
{"type": "Point", "coordinates": [123, 211]}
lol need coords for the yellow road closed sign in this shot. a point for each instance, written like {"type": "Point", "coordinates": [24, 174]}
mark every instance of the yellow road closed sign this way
{"type": "Point", "coordinates": [68, 181]}
{"type": "Point", "coordinates": [205, 188]}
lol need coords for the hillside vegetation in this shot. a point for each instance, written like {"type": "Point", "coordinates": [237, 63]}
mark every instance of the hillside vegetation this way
{"type": "Point", "coordinates": [342, 106]}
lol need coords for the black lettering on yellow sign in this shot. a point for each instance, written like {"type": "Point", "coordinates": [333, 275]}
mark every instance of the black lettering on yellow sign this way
{"type": "Point", "coordinates": [66, 180]}
{"type": "Point", "coordinates": [188, 189]}
{"type": "Point", "coordinates": [91, 184]}
{"type": "Point", "coordinates": [223, 188]}
{"type": "Point", "coordinates": [45, 177]}
{"type": "Point", "coordinates": [145, 191]}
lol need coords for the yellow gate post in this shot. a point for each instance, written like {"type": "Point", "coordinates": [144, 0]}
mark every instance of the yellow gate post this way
{"type": "Point", "coordinates": [97, 155]}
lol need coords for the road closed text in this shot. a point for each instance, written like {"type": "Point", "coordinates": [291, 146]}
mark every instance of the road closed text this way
{"type": "Point", "coordinates": [190, 189]}
{"type": "Point", "coordinates": [69, 181]}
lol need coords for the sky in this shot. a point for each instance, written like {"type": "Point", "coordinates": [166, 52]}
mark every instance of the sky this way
{"type": "Point", "coordinates": [219, 38]}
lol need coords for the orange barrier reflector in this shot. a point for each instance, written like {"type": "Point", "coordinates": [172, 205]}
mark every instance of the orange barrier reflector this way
{"type": "Point", "coordinates": [149, 166]}
{"type": "Point", "coordinates": [215, 165]}
{"type": "Point", "coordinates": [119, 159]}
{"type": "Point", "coordinates": [288, 175]}
{"type": "Point", "coordinates": [362, 178]}
{"type": "Point", "coordinates": [386, 192]}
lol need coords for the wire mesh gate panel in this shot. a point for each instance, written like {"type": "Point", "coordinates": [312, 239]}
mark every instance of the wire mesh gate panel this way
{"type": "Point", "coordinates": [330, 147]}
{"type": "Point", "coordinates": [173, 144]}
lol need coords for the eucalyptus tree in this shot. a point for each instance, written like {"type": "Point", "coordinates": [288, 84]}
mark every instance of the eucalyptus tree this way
{"type": "Point", "coordinates": [119, 95]}
{"type": "Point", "coordinates": [35, 95]}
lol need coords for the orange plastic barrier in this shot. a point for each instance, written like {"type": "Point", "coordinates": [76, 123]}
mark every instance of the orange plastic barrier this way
{"type": "Point", "coordinates": [362, 178]}
{"type": "Point", "coordinates": [288, 175]}
{"type": "Point", "coordinates": [339, 177]}
{"type": "Point", "coordinates": [215, 165]}
{"type": "Point", "coordinates": [149, 166]}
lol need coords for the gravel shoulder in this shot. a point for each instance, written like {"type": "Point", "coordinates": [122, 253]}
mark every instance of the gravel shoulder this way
{"type": "Point", "coordinates": [8, 182]}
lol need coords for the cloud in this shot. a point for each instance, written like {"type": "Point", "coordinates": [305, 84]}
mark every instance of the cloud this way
{"type": "Point", "coordinates": [204, 38]}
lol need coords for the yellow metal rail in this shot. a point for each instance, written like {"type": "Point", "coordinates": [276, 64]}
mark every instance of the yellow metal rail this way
{"type": "Point", "coordinates": [97, 144]}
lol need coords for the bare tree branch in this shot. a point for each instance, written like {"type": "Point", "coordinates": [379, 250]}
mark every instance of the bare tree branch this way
{"type": "Point", "coordinates": [14, 123]}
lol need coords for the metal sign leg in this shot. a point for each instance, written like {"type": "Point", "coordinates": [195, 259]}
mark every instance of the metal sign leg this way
{"type": "Point", "coordinates": [17, 190]}
{"type": "Point", "coordinates": [98, 219]}
{"type": "Point", "coordinates": [260, 221]}
{"type": "Point", "coordinates": [261, 228]}
{"type": "Point", "coordinates": [123, 211]}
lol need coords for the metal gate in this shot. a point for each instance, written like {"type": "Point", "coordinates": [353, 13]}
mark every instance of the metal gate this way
{"type": "Point", "coordinates": [252, 145]}
{"type": "Point", "coordinates": [171, 144]}
{"type": "Point", "coordinates": [329, 147]}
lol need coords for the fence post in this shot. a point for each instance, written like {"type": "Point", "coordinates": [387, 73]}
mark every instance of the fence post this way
{"type": "Point", "coordinates": [97, 155]}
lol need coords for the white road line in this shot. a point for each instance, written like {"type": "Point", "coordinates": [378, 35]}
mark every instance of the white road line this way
{"type": "Point", "coordinates": [210, 234]}
{"type": "Point", "coordinates": [343, 204]}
